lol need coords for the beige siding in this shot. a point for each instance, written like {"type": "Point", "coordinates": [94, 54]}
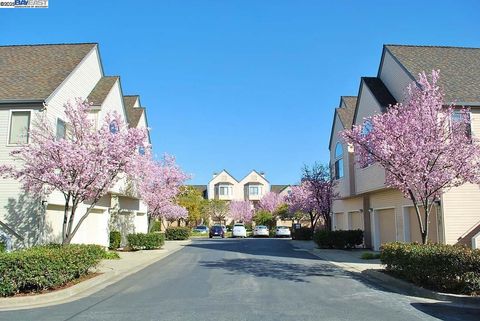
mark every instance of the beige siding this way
{"type": "Point", "coordinates": [461, 209]}
{"type": "Point", "coordinates": [372, 177]}
{"type": "Point", "coordinates": [394, 77]}
{"type": "Point", "coordinates": [79, 84]}
{"type": "Point", "coordinates": [347, 205]}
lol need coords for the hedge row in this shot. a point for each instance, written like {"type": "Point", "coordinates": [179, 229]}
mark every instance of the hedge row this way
{"type": "Point", "coordinates": [145, 241]}
{"type": "Point", "coordinates": [444, 268]}
{"type": "Point", "coordinates": [303, 233]}
{"type": "Point", "coordinates": [338, 239]}
{"type": "Point", "coordinates": [177, 233]}
{"type": "Point", "coordinates": [46, 267]}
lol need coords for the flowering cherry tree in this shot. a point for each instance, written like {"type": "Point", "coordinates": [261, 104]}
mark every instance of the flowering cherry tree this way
{"type": "Point", "coordinates": [314, 196]}
{"type": "Point", "coordinates": [271, 201]}
{"type": "Point", "coordinates": [424, 145]}
{"type": "Point", "coordinates": [241, 211]}
{"type": "Point", "coordinates": [83, 165]}
{"type": "Point", "coordinates": [158, 183]}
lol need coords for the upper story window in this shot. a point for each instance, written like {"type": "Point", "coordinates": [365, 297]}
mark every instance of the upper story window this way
{"type": "Point", "coordinates": [113, 127]}
{"type": "Point", "coordinates": [366, 129]}
{"type": "Point", "coordinates": [225, 190]}
{"type": "Point", "coordinates": [61, 129]}
{"type": "Point", "coordinates": [254, 190]}
{"type": "Point", "coordinates": [458, 117]}
{"type": "Point", "coordinates": [19, 127]}
{"type": "Point", "coordinates": [338, 161]}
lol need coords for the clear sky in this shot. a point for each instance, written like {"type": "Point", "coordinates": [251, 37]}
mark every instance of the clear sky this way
{"type": "Point", "coordinates": [243, 84]}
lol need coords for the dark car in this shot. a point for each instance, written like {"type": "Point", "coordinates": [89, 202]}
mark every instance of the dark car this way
{"type": "Point", "coordinates": [216, 230]}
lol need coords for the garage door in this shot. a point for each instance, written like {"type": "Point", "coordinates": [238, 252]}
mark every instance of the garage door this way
{"type": "Point", "coordinates": [386, 224]}
{"type": "Point", "coordinates": [415, 235]}
{"type": "Point", "coordinates": [340, 222]}
{"type": "Point", "coordinates": [356, 220]}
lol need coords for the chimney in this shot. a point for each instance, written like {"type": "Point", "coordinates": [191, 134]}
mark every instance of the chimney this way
{"type": "Point", "coordinates": [262, 173]}
{"type": "Point", "coordinates": [214, 174]}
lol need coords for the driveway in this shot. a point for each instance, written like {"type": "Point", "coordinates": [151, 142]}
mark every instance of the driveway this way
{"type": "Point", "coordinates": [244, 279]}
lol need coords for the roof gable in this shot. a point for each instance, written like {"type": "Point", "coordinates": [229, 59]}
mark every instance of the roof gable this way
{"type": "Point", "coordinates": [459, 68]}
{"type": "Point", "coordinates": [33, 72]}
{"type": "Point", "coordinates": [101, 90]}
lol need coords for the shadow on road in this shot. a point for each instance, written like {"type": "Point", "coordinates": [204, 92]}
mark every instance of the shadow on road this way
{"type": "Point", "coordinates": [447, 312]}
{"type": "Point", "coordinates": [262, 247]}
{"type": "Point", "coordinates": [274, 269]}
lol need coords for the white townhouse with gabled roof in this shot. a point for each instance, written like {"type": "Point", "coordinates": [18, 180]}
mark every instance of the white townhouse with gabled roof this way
{"type": "Point", "coordinates": [37, 79]}
{"type": "Point", "coordinates": [364, 200]}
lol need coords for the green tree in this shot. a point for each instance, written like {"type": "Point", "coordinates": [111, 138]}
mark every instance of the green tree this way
{"type": "Point", "coordinates": [191, 199]}
{"type": "Point", "coordinates": [217, 210]}
{"type": "Point", "coordinates": [263, 217]}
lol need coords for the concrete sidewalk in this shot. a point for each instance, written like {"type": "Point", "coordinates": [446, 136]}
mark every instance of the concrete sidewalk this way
{"type": "Point", "coordinates": [350, 261]}
{"type": "Point", "coordinates": [112, 271]}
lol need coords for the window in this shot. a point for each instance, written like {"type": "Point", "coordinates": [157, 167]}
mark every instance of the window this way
{"type": "Point", "coordinates": [113, 127]}
{"type": "Point", "coordinates": [462, 118]}
{"type": "Point", "coordinates": [61, 129]}
{"type": "Point", "coordinates": [224, 190]}
{"type": "Point", "coordinates": [338, 161]}
{"type": "Point", "coordinates": [254, 190]}
{"type": "Point", "coordinates": [19, 127]}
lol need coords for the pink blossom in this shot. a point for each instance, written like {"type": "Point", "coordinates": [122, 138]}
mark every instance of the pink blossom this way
{"type": "Point", "coordinates": [241, 211]}
{"type": "Point", "coordinates": [423, 144]}
{"type": "Point", "coordinates": [271, 201]}
{"type": "Point", "coordinates": [83, 166]}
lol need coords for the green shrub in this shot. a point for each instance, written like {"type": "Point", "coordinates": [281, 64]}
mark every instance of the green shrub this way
{"type": "Point", "coordinates": [110, 255]}
{"type": "Point", "coordinates": [148, 241]}
{"type": "Point", "coordinates": [3, 247]}
{"type": "Point", "coordinates": [303, 233]}
{"type": "Point", "coordinates": [156, 226]}
{"type": "Point", "coordinates": [115, 239]}
{"type": "Point", "coordinates": [370, 256]}
{"type": "Point", "coordinates": [338, 239]}
{"type": "Point", "coordinates": [46, 267]}
{"type": "Point", "coordinates": [445, 268]}
{"type": "Point", "coordinates": [177, 233]}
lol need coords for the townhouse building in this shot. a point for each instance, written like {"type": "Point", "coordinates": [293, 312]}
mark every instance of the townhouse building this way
{"type": "Point", "coordinates": [364, 200]}
{"type": "Point", "coordinates": [252, 187]}
{"type": "Point", "coordinates": [39, 79]}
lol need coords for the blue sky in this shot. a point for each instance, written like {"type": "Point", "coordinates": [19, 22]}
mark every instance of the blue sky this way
{"type": "Point", "coordinates": [243, 84]}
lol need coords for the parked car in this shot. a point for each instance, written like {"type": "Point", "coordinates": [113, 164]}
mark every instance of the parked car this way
{"type": "Point", "coordinates": [282, 231]}
{"type": "Point", "coordinates": [201, 229]}
{"type": "Point", "coordinates": [216, 230]}
{"type": "Point", "coordinates": [260, 230]}
{"type": "Point", "coordinates": [239, 231]}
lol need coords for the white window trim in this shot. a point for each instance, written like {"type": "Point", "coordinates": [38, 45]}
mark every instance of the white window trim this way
{"type": "Point", "coordinates": [56, 127]}
{"type": "Point", "coordinates": [11, 111]}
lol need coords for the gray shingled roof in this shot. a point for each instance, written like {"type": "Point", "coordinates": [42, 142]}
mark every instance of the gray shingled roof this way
{"type": "Point", "coordinates": [133, 113]}
{"type": "Point", "coordinates": [101, 90]}
{"type": "Point", "coordinates": [34, 72]}
{"type": "Point", "coordinates": [459, 68]}
{"type": "Point", "coordinates": [346, 113]}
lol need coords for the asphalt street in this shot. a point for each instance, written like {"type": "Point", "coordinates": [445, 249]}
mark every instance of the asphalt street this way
{"type": "Point", "coordinates": [244, 279]}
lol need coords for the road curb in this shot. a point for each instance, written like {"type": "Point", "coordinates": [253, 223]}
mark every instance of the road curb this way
{"type": "Point", "coordinates": [82, 289]}
{"type": "Point", "coordinates": [400, 286]}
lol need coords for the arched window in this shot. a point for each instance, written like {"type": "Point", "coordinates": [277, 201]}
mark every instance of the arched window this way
{"type": "Point", "coordinates": [338, 161]}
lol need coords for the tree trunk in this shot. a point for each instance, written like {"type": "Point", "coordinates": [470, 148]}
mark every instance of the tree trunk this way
{"type": "Point", "coordinates": [65, 217]}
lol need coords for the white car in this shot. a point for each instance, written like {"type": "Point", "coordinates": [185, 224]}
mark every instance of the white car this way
{"type": "Point", "coordinates": [282, 231]}
{"type": "Point", "coordinates": [239, 231]}
{"type": "Point", "coordinates": [260, 230]}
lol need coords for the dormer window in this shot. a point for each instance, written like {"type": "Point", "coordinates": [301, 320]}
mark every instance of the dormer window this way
{"type": "Point", "coordinates": [338, 161]}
